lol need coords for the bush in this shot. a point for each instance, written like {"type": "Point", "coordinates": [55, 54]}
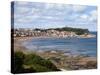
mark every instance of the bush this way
{"type": "Point", "coordinates": [18, 62]}
{"type": "Point", "coordinates": [33, 63]}
{"type": "Point", "coordinates": [39, 63]}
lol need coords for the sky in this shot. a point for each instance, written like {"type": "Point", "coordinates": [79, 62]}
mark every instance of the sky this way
{"type": "Point", "coordinates": [51, 15]}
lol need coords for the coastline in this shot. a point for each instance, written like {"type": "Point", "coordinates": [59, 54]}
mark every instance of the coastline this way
{"type": "Point", "coordinates": [34, 37]}
{"type": "Point", "coordinates": [64, 62]}
{"type": "Point", "coordinates": [18, 43]}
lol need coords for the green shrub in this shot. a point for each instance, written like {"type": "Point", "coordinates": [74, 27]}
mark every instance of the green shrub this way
{"type": "Point", "coordinates": [33, 63]}
{"type": "Point", "coordinates": [32, 59]}
{"type": "Point", "coordinates": [18, 61]}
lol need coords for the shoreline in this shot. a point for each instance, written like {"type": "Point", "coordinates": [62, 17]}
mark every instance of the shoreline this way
{"type": "Point", "coordinates": [20, 40]}
{"type": "Point", "coordinates": [40, 37]}
{"type": "Point", "coordinates": [65, 32]}
{"type": "Point", "coordinates": [64, 62]}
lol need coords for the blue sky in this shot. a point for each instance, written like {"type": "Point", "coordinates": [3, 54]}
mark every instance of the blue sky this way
{"type": "Point", "coordinates": [47, 15]}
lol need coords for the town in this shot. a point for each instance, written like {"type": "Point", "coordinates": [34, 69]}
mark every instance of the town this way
{"type": "Point", "coordinates": [22, 32]}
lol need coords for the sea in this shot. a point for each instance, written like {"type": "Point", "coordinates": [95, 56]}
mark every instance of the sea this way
{"type": "Point", "coordinates": [72, 46]}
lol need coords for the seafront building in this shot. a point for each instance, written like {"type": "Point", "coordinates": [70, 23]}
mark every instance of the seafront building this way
{"type": "Point", "coordinates": [39, 33]}
{"type": "Point", "coordinates": [21, 32]}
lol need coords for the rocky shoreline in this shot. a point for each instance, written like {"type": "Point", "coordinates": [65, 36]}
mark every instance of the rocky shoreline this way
{"type": "Point", "coordinates": [69, 62]}
{"type": "Point", "coordinates": [62, 61]}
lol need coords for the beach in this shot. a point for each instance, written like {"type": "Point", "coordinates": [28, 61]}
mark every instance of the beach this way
{"type": "Point", "coordinates": [59, 58]}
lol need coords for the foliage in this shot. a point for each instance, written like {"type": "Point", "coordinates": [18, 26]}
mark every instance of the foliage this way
{"type": "Point", "coordinates": [18, 61]}
{"type": "Point", "coordinates": [78, 31]}
{"type": "Point", "coordinates": [26, 63]}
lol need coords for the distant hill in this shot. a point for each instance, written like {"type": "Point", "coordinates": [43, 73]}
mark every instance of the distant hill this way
{"type": "Point", "coordinates": [78, 31]}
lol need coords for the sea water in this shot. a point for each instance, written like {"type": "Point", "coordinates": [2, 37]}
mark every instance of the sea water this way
{"type": "Point", "coordinates": [73, 46]}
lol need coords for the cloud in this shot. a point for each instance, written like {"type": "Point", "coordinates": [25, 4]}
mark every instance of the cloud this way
{"type": "Point", "coordinates": [21, 3]}
{"type": "Point", "coordinates": [84, 16]}
{"type": "Point", "coordinates": [26, 19]}
{"type": "Point", "coordinates": [49, 5]}
{"type": "Point", "coordinates": [78, 8]}
{"type": "Point", "coordinates": [21, 10]}
{"type": "Point", "coordinates": [93, 15]}
{"type": "Point", "coordinates": [47, 14]}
